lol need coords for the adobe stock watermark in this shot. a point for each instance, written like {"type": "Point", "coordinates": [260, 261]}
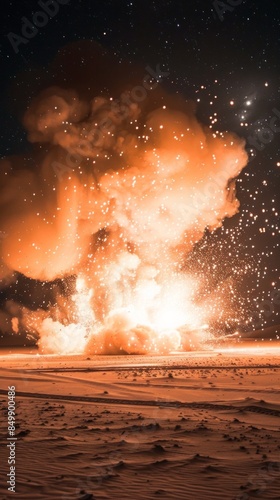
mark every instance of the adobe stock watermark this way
{"type": "Point", "coordinates": [11, 439]}
{"type": "Point", "coordinates": [263, 136]}
{"type": "Point", "coordinates": [40, 19]}
{"type": "Point", "coordinates": [222, 7]}
{"type": "Point", "coordinates": [119, 106]}
{"type": "Point", "coordinates": [259, 482]}
{"type": "Point", "coordinates": [219, 181]}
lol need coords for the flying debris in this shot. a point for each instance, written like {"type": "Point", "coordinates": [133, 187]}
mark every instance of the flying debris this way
{"type": "Point", "coordinates": [125, 189]}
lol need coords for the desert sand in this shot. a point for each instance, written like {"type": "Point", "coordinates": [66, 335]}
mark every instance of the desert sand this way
{"type": "Point", "coordinates": [201, 425]}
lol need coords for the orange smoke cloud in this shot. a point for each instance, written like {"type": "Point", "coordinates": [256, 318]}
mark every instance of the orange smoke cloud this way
{"type": "Point", "coordinates": [121, 193]}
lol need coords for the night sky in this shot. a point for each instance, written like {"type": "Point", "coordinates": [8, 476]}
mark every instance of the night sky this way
{"type": "Point", "coordinates": [224, 56]}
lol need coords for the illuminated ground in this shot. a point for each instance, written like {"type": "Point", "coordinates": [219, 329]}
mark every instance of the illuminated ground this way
{"type": "Point", "coordinates": [201, 424]}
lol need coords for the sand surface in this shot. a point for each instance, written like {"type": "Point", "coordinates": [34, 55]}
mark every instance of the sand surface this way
{"type": "Point", "coordinates": [201, 425]}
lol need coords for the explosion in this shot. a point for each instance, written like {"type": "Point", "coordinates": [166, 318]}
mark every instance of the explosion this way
{"type": "Point", "coordinates": [120, 194]}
